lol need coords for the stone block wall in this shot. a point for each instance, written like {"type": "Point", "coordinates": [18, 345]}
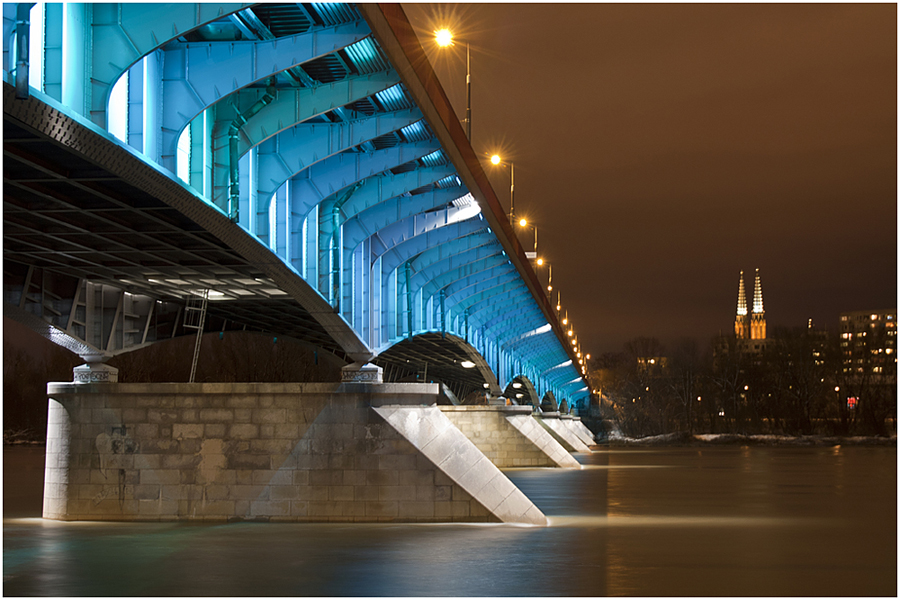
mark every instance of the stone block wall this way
{"type": "Point", "coordinates": [271, 452]}
{"type": "Point", "coordinates": [509, 436]}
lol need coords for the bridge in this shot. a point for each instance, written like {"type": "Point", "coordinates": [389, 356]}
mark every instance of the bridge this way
{"type": "Point", "coordinates": [293, 168]}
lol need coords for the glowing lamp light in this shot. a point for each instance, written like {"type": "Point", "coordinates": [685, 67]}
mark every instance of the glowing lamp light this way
{"type": "Point", "coordinates": [550, 289]}
{"type": "Point", "coordinates": [540, 261]}
{"type": "Point", "coordinates": [558, 307]}
{"type": "Point", "coordinates": [467, 364]}
{"type": "Point", "coordinates": [443, 37]}
{"type": "Point", "coordinates": [523, 222]}
{"type": "Point", "coordinates": [486, 386]}
{"type": "Point", "coordinates": [495, 159]}
{"type": "Point", "coordinates": [565, 321]}
{"type": "Point", "coordinates": [517, 385]}
{"type": "Point", "coordinates": [587, 356]}
{"type": "Point", "coordinates": [570, 333]}
{"type": "Point", "coordinates": [520, 395]}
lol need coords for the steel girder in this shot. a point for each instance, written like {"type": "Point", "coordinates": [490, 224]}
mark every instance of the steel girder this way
{"type": "Point", "coordinates": [289, 152]}
{"type": "Point", "coordinates": [336, 160]}
{"type": "Point", "coordinates": [364, 225]}
{"type": "Point", "coordinates": [430, 263]}
{"type": "Point", "coordinates": [123, 33]}
{"type": "Point", "coordinates": [327, 181]}
{"type": "Point", "coordinates": [388, 186]}
{"type": "Point", "coordinates": [465, 274]}
{"type": "Point", "coordinates": [194, 81]}
{"type": "Point", "coordinates": [335, 174]}
{"type": "Point", "coordinates": [290, 107]}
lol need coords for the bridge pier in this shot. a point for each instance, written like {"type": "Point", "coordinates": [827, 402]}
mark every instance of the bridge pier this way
{"type": "Point", "coordinates": [352, 451]}
{"type": "Point", "coordinates": [560, 427]}
{"type": "Point", "coordinates": [509, 436]}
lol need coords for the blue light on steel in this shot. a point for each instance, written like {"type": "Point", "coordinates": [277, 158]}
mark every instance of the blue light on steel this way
{"type": "Point", "coordinates": [307, 135]}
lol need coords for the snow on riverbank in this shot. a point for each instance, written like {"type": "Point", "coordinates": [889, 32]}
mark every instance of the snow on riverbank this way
{"type": "Point", "coordinates": [721, 439]}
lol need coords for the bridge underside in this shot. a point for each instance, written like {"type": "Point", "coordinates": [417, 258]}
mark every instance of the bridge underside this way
{"type": "Point", "coordinates": [75, 217]}
{"type": "Point", "coordinates": [295, 164]}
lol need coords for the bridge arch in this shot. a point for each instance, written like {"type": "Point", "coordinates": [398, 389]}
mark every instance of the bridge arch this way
{"type": "Point", "coordinates": [432, 357]}
{"type": "Point", "coordinates": [521, 391]}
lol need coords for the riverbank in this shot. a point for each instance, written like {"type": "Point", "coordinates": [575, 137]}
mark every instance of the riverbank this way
{"type": "Point", "coordinates": [736, 439]}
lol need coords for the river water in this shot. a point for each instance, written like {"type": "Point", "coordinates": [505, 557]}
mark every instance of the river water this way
{"type": "Point", "coordinates": [720, 521]}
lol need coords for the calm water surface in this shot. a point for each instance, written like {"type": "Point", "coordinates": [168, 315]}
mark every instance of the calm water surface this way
{"type": "Point", "coordinates": [725, 521]}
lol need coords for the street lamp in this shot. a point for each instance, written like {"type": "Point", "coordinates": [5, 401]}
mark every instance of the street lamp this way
{"type": "Point", "coordinates": [496, 160]}
{"type": "Point", "coordinates": [524, 223]}
{"type": "Point", "coordinates": [444, 38]}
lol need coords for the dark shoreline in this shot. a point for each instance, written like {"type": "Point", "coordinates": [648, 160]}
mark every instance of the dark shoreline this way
{"type": "Point", "coordinates": [734, 439]}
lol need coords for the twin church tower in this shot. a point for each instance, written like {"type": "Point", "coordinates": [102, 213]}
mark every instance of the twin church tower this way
{"type": "Point", "coordinates": [750, 326]}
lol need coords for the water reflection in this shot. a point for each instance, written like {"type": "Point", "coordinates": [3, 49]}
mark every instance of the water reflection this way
{"type": "Point", "coordinates": [663, 522]}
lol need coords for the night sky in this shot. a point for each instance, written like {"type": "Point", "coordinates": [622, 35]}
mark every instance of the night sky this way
{"type": "Point", "coordinates": [663, 148]}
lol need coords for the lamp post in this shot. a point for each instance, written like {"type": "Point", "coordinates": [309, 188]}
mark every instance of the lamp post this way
{"type": "Point", "coordinates": [524, 223]}
{"type": "Point", "coordinates": [444, 38]}
{"type": "Point", "coordinates": [496, 160]}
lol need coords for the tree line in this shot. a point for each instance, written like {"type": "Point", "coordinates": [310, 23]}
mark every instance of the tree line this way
{"type": "Point", "coordinates": [796, 383]}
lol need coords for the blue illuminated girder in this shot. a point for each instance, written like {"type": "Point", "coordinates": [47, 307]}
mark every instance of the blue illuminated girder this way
{"type": "Point", "coordinates": [197, 75]}
{"type": "Point", "coordinates": [447, 273]}
{"type": "Point", "coordinates": [290, 107]}
{"type": "Point", "coordinates": [358, 227]}
{"type": "Point", "coordinates": [432, 261]}
{"type": "Point", "coordinates": [122, 33]}
{"type": "Point", "coordinates": [337, 174]}
{"type": "Point", "coordinates": [419, 225]}
{"type": "Point", "coordinates": [286, 154]}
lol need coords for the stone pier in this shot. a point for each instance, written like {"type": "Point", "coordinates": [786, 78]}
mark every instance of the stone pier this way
{"type": "Point", "coordinates": [577, 427]}
{"type": "Point", "coordinates": [267, 452]}
{"type": "Point", "coordinates": [509, 436]}
{"type": "Point", "coordinates": [558, 426]}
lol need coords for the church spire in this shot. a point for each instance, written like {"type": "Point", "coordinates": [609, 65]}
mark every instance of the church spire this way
{"type": "Point", "coordinates": [742, 298]}
{"type": "Point", "coordinates": [758, 318]}
{"type": "Point", "coordinates": [741, 324]}
{"type": "Point", "coordinates": [757, 295]}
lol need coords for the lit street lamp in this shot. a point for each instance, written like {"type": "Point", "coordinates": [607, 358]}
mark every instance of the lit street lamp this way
{"type": "Point", "coordinates": [444, 38]}
{"type": "Point", "coordinates": [524, 223]}
{"type": "Point", "coordinates": [496, 160]}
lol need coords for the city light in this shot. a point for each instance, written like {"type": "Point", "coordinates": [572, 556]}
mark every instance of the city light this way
{"type": "Point", "coordinates": [443, 37]}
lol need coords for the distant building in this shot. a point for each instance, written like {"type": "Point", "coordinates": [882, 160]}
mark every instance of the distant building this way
{"type": "Point", "coordinates": [750, 328]}
{"type": "Point", "coordinates": [653, 364]}
{"type": "Point", "coordinates": [869, 342]}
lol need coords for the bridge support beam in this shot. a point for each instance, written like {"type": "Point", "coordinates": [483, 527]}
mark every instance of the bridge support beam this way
{"type": "Point", "coordinates": [353, 451]}
{"type": "Point", "coordinates": [509, 436]}
{"type": "Point", "coordinates": [559, 426]}
{"type": "Point", "coordinates": [577, 427]}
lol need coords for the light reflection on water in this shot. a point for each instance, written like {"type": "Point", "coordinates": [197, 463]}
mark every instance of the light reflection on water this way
{"type": "Point", "coordinates": [674, 521]}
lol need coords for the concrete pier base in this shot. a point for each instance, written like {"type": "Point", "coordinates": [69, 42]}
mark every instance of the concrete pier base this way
{"type": "Point", "coordinates": [559, 429]}
{"type": "Point", "coordinates": [509, 436]}
{"type": "Point", "coordinates": [267, 452]}
{"type": "Point", "coordinates": [581, 430]}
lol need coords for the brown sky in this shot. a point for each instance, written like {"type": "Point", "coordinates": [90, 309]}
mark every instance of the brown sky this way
{"type": "Point", "coordinates": [662, 148]}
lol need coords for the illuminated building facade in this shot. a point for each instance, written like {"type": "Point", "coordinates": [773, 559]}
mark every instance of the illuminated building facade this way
{"type": "Point", "coordinates": [750, 326]}
{"type": "Point", "coordinates": [869, 341]}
